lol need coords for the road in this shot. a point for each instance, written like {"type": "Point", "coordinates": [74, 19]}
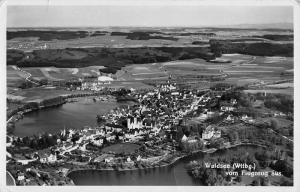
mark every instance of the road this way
{"type": "Point", "coordinates": [280, 135]}
{"type": "Point", "coordinates": [238, 64]}
{"type": "Point", "coordinates": [28, 75]}
{"type": "Point", "coordinates": [196, 103]}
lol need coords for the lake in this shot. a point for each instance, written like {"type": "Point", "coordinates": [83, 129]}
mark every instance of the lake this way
{"type": "Point", "coordinates": [9, 180]}
{"type": "Point", "coordinates": [73, 115]}
{"type": "Point", "coordinates": [172, 175]}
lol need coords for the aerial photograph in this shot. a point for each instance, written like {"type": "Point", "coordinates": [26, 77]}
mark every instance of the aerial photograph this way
{"type": "Point", "coordinates": [158, 95]}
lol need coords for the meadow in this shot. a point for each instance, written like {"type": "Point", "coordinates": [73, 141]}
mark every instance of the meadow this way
{"type": "Point", "coordinates": [125, 148]}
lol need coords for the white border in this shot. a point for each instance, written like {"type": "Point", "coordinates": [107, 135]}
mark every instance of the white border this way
{"type": "Point", "coordinates": [150, 2]}
{"type": "Point", "coordinates": [3, 92]}
{"type": "Point", "coordinates": [3, 5]}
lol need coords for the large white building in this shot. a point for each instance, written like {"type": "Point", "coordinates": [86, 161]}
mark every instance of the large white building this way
{"type": "Point", "coordinates": [210, 132]}
{"type": "Point", "coordinates": [104, 79]}
{"type": "Point", "coordinates": [96, 85]}
{"type": "Point", "coordinates": [135, 124]}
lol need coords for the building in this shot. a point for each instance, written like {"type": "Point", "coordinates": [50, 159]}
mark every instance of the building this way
{"type": "Point", "coordinates": [227, 108]}
{"type": "Point", "coordinates": [52, 158]}
{"type": "Point", "coordinates": [24, 160]}
{"type": "Point", "coordinates": [98, 142]}
{"type": "Point", "coordinates": [104, 80]}
{"type": "Point", "coordinates": [138, 158]}
{"type": "Point", "coordinates": [104, 158]}
{"type": "Point", "coordinates": [229, 119]}
{"type": "Point", "coordinates": [217, 134]}
{"type": "Point", "coordinates": [203, 116]}
{"type": "Point", "coordinates": [210, 132]}
{"type": "Point", "coordinates": [134, 123]}
{"type": "Point", "coordinates": [190, 139]}
{"type": "Point", "coordinates": [82, 147]}
{"type": "Point", "coordinates": [46, 156]}
{"type": "Point", "coordinates": [156, 130]}
{"type": "Point", "coordinates": [96, 84]}
{"type": "Point", "coordinates": [184, 138]}
{"type": "Point", "coordinates": [21, 176]}
{"type": "Point", "coordinates": [247, 119]}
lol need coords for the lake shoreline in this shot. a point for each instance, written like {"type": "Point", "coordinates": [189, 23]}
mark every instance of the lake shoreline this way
{"type": "Point", "coordinates": [62, 99]}
{"type": "Point", "coordinates": [175, 160]}
{"type": "Point", "coordinates": [13, 179]}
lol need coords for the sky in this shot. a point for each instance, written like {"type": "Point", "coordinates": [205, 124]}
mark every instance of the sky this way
{"type": "Point", "coordinates": [147, 16]}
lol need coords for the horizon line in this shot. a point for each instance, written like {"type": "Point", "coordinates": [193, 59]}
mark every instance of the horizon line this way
{"type": "Point", "coordinates": [198, 26]}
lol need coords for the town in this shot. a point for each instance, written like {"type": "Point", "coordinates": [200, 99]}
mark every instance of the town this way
{"type": "Point", "coordinates": [163, 125]}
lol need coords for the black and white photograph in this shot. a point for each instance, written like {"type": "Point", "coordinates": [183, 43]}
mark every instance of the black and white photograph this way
{"type": "Point", "coordinates": [149, 95]}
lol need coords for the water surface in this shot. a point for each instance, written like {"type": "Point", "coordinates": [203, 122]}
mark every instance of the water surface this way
{"type": "Point", "coordinates": [73, 115]}
{"type": "Point", "coordinates": [172, 175]}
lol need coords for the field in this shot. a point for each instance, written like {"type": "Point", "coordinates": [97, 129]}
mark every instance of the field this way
{"type": "Point", "coordinates": [281, 122]}
{"type": "Point", "coordinates": [282, 85]}
{"type": "Point", "coordinates": [289, 91]}
{"type": "Point", "coordinates": [14, 77]}
{"type": "Point", "coordinates": [103, 37]}
{"type": "Point", "coordinates": [242, 70]}
{"type": "Point", "coordinates": [137, 58]}
{"type": "Point", "coordinates": [56, 74]}
{"type": "Point", "coordinates": [141, 72]}
{"type": "Point", "coordinates": [128, 85]}
{"type": "Point", "coordinates": [97, 41]}
{"type": "Point", "coordinates": [126, 148]}
{"type": "Point", "coordinates": [162, 71]}
{"type": "Point", "coordinates": [246, 68]}
{"type": "Point", "coordinates": [38, 93]}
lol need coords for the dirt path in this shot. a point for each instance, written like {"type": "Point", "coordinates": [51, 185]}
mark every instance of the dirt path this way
{"type": "Point", "coordinates": [28, 75]}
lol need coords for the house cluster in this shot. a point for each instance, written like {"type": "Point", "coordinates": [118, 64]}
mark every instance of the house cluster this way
{"type": "Point", "coordinates": [231, 119]}
{"type": "Point", "coordinates": [163, 108]}
{"type": "Point", "coordinates": [155, 116]}
{"type": "Point", "coordinates": [228, 106]}
{"type": "Point", "coordinates": [96, 136]}
{"type": "Point", "coordinates": [208, 133]}
{"type": "Point", "coordinates": [211, 132]}
{"type": "Point", "coordinates": [205, 103]}
{"type": "Point", "coordinates": [158, 110]}
{"type": "Point", "coordinates": [25, 177]}
{"type": "Point", "coordinates": [96, 84]}
{"type": "Point", "coordinates": [135, 123]}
